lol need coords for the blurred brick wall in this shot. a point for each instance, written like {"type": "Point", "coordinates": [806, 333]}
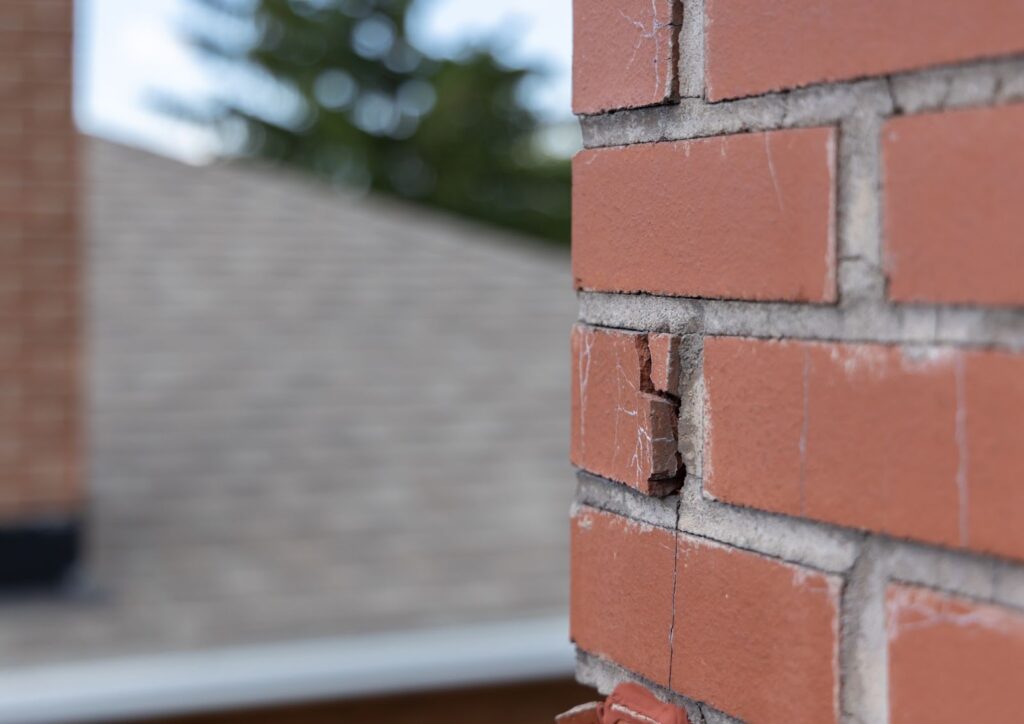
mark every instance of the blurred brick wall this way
{"type": "Point", "coordinates": [40, 254]}
{"type": "Point", "coordinates": [798, 380]}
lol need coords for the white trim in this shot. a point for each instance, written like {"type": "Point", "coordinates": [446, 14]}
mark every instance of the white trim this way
{"type": "Point", "coordinates": [178, 683]}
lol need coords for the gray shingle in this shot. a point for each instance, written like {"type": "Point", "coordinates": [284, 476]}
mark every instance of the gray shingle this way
{"type": "Point", "coordinates": [313, 414]}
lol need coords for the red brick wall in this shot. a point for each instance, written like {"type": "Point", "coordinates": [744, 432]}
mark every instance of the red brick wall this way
{"type": "Point", "coordinates": [39, 265]}
{"type": "Point", "coordinates": [798, 379]}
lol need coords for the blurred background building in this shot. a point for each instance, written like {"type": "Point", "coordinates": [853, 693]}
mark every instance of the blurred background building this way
{"type": "Point", "coordinates": [270, 437]}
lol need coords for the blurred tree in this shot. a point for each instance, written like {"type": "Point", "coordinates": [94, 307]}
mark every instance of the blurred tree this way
{"type": "Point", "coordinates": [349, 98]}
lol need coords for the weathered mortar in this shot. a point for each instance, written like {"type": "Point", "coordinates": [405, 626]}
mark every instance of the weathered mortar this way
{"type": "Point", "coordinates": [954, 86]}
{"type": "Point", "coordinates": [868, 322]}
{"type": "Point", "coordinates": [604, 676]}
{"type": "Point", "coordinates": [868, 561]}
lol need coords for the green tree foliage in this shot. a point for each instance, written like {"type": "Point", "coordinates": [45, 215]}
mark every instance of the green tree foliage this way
{"type": "Point", "coordinates": [369, 109]}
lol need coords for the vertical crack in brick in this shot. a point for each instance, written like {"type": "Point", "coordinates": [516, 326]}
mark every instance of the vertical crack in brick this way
{"type": "Point", "coordinates": [582, 377]}
{"type": "Point", "coordinates": [645, 34]}
{"type": "Point", "coordinates": [771, 170]}
{"type": "Point", "coordinates": [675, 580]}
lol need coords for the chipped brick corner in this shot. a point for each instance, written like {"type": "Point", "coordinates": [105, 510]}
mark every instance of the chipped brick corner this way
{"type": "Point", "coordinates": [625, 408]}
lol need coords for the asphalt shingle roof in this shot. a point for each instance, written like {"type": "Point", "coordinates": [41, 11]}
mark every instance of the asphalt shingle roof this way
{"type": "Point", "coordinates": [313, 414]}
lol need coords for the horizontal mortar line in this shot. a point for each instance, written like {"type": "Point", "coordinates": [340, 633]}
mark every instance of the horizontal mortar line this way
{"type": "Point", "coordinates": [831, 309]}
{"type": "Point", "coordinates": [779, 523]}
{"type": "Point", "coordinates": [603, 667]}
{"type": "Point", "coordinates": [821, 307]}
{"type": "Point", "coordinates": [897, 551]}
{"type": "Point", "coordinates": [583, 502]}
{"type": "Point", "coordinates": [1004, 602]}
{"type": "Point", "coordinates": [810, 526]}
{"type": "Point", "coordinates": [591, 657]}
{"type": "Point", "coordinates": [763, 515]}
{"type": "Point", "coordinates": [632, 312]}
{"type": "Point", "coordinates": [663, 117]}
{"type": "Point", "coordinates": [667, 506]}
{"type": "Point", "coordinates": [764, 554]}
{"type": "Point", "coordinates": [666, 135]}
{"type": "Point", "coordinates": [895, 544]}
{"type": "Point", "coordinates": [826, 91]}
{"type": "Point", "coordinates": [819, 104]}
{"type": "Point", "coordinates": [826, 339]}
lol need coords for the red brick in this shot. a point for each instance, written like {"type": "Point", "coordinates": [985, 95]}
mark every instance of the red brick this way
{"type": "Point", "coordinates": [53, 15]}
{"type": "Point", "coordinates": [748, 216]}
{"type": "Point", "coordinates": [953, 215]}
{"type": "Point", "coordinates": [753, 414]}
{"type": "Point", "coordinates": [621, 591]}
{"type": "Point", "coordinates": [623, 56]}
{"type": "Point", "coordinates": [621, 429]}
{"type": "Point", "coordinates": [755, 637]}
{"type": "Point", "coordinates": [589, 713]}
{"type": "Point", "coordinates": [993, 425]}
{"type": "Point", "coordinates": [881, 442]}
{"type": "Point", "coordinates": [920, 446]}
{"type": "Point", "coordinates": [860, 435]}
{"type": "Point", "coordinates": [755, 46]}
{"type": "Point", "coordinates": [39, 322]}
{"type": "Point", "coordinates": [664, 350]}
{"type": "Point", "coordinates": [952, 660]}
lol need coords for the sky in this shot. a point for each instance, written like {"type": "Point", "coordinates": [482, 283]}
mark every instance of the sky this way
{"type": "Point", "coordinates": [127, 49]}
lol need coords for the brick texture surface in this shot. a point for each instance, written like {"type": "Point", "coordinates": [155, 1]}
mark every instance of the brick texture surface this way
{"type": "Point", "coordinates": [622, 428]}
{"type": "Point", "coordinates": [755, 637]}
{"type": "Point", "coordinates": [993, 422]}
{"type": "Point", "coordinates": [953, 660]}
{"type": "Point", "coordinates": [738, 217]}
{"type": "Point", "coordinates": [39, 257]}
{"type": "Point", "coordinates": [919, 444]}
{"type": "Point", "coordinates": [621, 594]}
{"type": "Point", "coordinates": [756, 46]}
{"type": "Point", "coordinates": [953, 216]}
{"type": "Point", "coordinates": [623, 55]}
{"type": "Point", "coordinates": [823, 233]}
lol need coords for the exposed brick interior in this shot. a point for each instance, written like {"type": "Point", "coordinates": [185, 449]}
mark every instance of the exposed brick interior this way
{"type": "Point", "coordinates": [806, 247]}
{"type": "Point", "coordinates": [39, 267]}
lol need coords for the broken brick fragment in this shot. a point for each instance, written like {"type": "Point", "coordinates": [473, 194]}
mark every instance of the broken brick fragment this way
{"type": "Point", "coordinates": [589, 713]}
{"type": "Point", "coordinates": [664, 349]}
{"type": "Point", "coordinates": [624, 425]}
{"type": "Point", "coordinates": [630, 703]}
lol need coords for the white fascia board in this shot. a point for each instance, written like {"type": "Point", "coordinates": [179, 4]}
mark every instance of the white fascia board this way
{"type": "Point", "coordinates": [260, 675]}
